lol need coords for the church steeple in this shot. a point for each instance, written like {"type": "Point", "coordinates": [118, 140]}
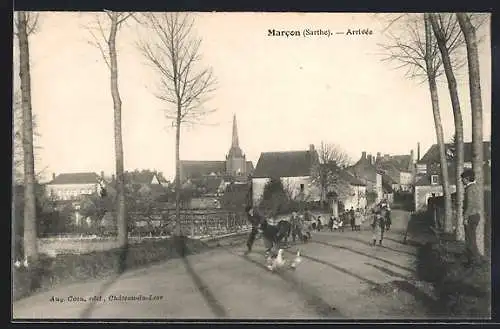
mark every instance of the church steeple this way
{"type": "Point", "coordinates": [235, 151]}
{"type": "Point", "coordinates": [235, 143]}
{"type": "Point", "coordinates": [235, 159]}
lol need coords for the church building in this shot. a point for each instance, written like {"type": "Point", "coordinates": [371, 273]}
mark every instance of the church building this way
{"type": "Point", "coordinates": [235, 167]}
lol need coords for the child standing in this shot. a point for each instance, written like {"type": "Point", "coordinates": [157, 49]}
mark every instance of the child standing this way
{"type": "Point", "coordinates": [378, 226]}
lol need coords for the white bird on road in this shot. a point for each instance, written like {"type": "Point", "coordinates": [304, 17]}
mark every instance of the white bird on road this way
{"type": "Point", "coordinates": [278, 262]}
{"type": "Point", "coordinates": [296, 261]}
{"type": "Point", "coordinates": [17, 263]}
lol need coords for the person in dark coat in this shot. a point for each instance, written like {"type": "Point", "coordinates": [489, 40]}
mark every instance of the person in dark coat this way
{"type": "Point", "coordinates": [378, 226]}
{"type": "Point", "coordinates": [472, 216]}
{"type": "Point", "coordinates": [330, 223]}
{"type": "Point", "coordinates": [255, 220]}
{"type": "Point", "coordinates": [352, 219]}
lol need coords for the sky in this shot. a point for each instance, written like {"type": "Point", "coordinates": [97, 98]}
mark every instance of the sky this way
{"type": "Point", "coordinates": [286, 93]}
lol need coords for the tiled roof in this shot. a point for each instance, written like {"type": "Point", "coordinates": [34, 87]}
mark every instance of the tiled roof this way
{"type": "Point", "coordinates": [250, 167]}
{"type": "Point", "coordinates": [140, 177]}
{"type": "Point", "coordinates": [432, 154]}
{"type": "Point", "coordinates": [208, 184]}
{"type": "Point", "coordinates": [284, 164]}
{"type": "Point", "coordinates": [196, 169]}
{"type": "Point", "coordinates": [399, 162]}
{"type": "Point", "coordinates": [347, 176]}
{"type": "Point", "coordinates": [75, 178]}
{"type": "Point", "coordinates": [390, 171]}
{"type": "Point", "coordinates": [364, 170]}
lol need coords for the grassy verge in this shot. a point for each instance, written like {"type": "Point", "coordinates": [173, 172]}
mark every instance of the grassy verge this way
{"type": "Point", "coordinates": [461, 292]}
{"type": "Point", "coordinates": [67, 268]}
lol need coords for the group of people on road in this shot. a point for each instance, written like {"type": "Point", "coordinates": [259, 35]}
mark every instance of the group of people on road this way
{"type": "Point", "coordinates": [273, 235]}
{"type": "Point", "coordinates": [381, 222]}
{"type": "Point", "coordinates": [353, 217]}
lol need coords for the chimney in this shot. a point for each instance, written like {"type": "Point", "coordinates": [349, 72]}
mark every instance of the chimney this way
{"type": "Point", "coordinates": [363, 155]}
{"type": "Point", "coordinates": [412, 156]}
{"type": "Point", "coordinates": [102, 174]}
{"type": "Point", "coordinates": [418, 151]}
{"type": "Point", "coordinates": [378, 156]}
{"type": "Point", "coordinates": [53, 176]}
{"type": "Point", "coordinates": [311, 147]}
{"type": "Point", "coordinates": [369, 157]}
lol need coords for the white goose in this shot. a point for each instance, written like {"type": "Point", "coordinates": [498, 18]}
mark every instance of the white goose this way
{"type": "Point", "coordinates": [296, 261]}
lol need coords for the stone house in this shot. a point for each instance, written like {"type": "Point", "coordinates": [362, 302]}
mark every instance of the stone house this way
{"type": "Point", "coordinates": [296, 171]}
{"type": "Point", "coordinates": [294, 168]}
{"type": "Point", "coordinates": [428, 181]}
{"type": "Point", "coordinates": [376, 181]}
{"type": "Point", "coordinates": [71, 186]}
{"type": "Point", "coordinates": [398, 169]}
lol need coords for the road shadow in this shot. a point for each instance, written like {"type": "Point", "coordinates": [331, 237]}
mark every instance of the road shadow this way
{"type": "Point", "coordinates": [404, 242]}
{"type": "Point", "coordinates": [367, 243]}
{"type": "Point", "coordinates": [340, 269]}
{"type": "Point", "coordinates": [121, 269]}
{"type": "Point", "coordinates": [321, 307]}
{"type": "Point", "coordinates": [388, 271]}
{"type": "Point", "coordinates": [216, 307]}
{"type": "Point", "coordinates": [365, 254]}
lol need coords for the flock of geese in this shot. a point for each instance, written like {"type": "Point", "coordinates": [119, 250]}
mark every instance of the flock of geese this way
{"type": "Point", "coordinates": [279, 262]}
{"type": "Point", "coordinates": [19, 264]}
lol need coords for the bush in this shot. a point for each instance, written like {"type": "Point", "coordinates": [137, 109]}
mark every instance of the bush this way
{"type": "Point", "coordinates": [49, 272]}
{"type": "Point", "coordinates": [275, 200]}
{"type": "Point", "coordinates": [461, 292]}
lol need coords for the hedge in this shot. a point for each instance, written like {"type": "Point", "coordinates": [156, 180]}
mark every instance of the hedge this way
{"type": "Point", "coordinates": [68, 268]}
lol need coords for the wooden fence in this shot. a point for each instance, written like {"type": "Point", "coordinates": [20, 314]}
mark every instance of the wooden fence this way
{"type": "Point", "coordinates": [193, 222]}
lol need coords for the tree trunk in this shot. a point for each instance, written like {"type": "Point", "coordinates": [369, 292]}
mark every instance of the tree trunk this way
{"type": "Point", "coordinates": [459, 130]}
{"type": "Point", "coordinates": [477, 117]}
{"type": "Point", "coordinates": [431, 76]}
{"type": "Point", "coordinates": [177, 230]}
{"type": "Point", "coordinates": [30, 234]}
{"type": "Point", "coordinates": [117, 107]}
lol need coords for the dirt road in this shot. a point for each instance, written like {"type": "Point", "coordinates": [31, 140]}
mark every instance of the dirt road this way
{"type": "Point", "coordinates": [341, 277]}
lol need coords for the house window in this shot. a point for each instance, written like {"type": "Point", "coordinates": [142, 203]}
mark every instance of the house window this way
{"type": "Point", "coordinates": [434, 179]}
{"type": "Point", "coordinates": [301, 187]}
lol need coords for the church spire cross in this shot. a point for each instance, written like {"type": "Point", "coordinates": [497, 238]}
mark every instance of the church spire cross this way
{"type": "Point", "coordinates": [235, 142]}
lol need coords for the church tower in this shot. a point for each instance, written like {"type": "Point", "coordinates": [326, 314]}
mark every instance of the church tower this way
{"type": "Point", "coordinates": [235, 159]}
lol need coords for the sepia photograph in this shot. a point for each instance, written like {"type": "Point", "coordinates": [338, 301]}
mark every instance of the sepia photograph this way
{"type": "Point", "coordinates": [251, 166]}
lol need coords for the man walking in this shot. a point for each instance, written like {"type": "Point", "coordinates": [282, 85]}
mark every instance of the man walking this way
{"type": "Point", "coordinates": [255, 220]}
{"type": "Point", "coordinates": [471, 216]}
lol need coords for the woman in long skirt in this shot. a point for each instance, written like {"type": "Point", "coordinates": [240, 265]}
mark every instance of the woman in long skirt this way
{"type": "Point", "coordinates": [378, 229]}
{"type": "Point", "coordinates": [357, 221]}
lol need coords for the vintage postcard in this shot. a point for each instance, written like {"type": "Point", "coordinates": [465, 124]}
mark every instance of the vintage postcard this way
{"type": "Point", "coordinates": [274, 166]}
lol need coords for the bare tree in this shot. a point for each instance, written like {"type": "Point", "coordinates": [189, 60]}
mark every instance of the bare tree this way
{"type": "Point", "coordinates": [469, 32]}
{"type": "Point", "coordinates": [26, 23]}
{"type": "Point", "coordinates": [17, 141]}
{"type": "Point", "coordinates": [431, 58]}
{"type": "Point", "coordinates": [327, 171]}
{"type": "Point", "coordinates": [184, 84]}
{"type": "Point", "coordinates": [419, 54]}
{"type": "Point", "coordinates": [105, 41]}
{"type": "Point", "coordinates": [445, 28]}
